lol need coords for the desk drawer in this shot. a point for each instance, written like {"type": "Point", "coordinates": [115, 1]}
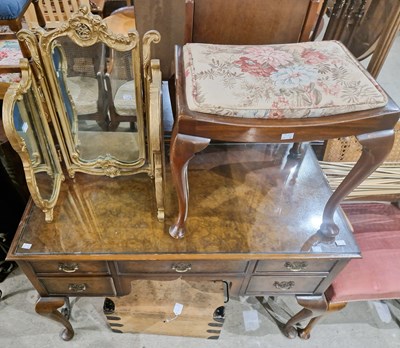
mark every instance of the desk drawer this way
{"type": "Point", "coordinates": [79, 286]}
{"type": "Point", "coordinates": [294, 266]}
{"type": "Point", "coordinates": [182, 267]}
{"type": "Point", "coordinates": [71, 267]}
{"type": "Point", "coordinates": [283, 284]}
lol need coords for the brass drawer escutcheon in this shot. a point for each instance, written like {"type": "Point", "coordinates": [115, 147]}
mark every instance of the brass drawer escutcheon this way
{"type": "Point", "coordinates": [296, 266]}
{"type": "Point", "coordinates": [68, 267]}
{"type": "Point", "coordinates": [284, 285]}
{"type": "Point", "coordinates": [182, 267]}
{"type": "Point", "coordinates": [77, 287]}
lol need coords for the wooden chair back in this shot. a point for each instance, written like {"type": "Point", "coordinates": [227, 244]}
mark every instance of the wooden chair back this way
{"type": "Point", "coordinates": [250, 22]}
{"type": "Point", "coordinates": [168, 18]}
{"type": "Point", "coordinates": [55, 12]}
{"type": "Point", "coordinates": [366, 28]}
{"type": "Point", "coordinates": [224, 21]}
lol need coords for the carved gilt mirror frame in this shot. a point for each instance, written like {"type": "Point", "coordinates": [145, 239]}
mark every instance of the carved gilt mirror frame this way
{"type": "Point", "coordinates": [26, 126]}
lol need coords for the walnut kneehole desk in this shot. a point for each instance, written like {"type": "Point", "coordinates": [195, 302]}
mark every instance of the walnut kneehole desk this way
{"type": "Point", "coordinates": [254, 216]}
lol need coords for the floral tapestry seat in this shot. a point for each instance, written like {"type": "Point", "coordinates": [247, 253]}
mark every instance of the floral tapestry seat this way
{"type": "Point", "coordinates": [310, 79]}
{"type": "Point", "coordinates": [10, 54]}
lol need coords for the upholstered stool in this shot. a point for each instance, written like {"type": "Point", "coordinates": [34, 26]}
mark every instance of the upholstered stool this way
{"type": "Point", "coordinates": [277, 93]}
{"type": "Point", "coordinates": [374, 277]}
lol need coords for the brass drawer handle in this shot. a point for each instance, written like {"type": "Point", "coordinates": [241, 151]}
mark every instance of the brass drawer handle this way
{"type": "Point", "coordinates": [284, 285]}
{"type": "Point", "coordinates": [182, 267]}
{"type": "Point", "coordinates": [68, 267]}
{"type": "Point", "coordinates": [80, 287]}
{"type": "Point", "coordinates": [296, 266]}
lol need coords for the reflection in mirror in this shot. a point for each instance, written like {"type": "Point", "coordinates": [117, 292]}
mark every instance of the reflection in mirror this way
{"type": "Point", "coordinates": [104, 103]}
{"type": "Point", "coordinates": [60, 71]}
{"type": "Point", "coordinates": [27, 129]}
{"type": "Point", "coordinates": [120, 85]}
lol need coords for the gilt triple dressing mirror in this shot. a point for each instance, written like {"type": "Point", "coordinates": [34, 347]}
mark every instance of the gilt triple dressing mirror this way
{"type": "Point", "coordinates": [103, 96]}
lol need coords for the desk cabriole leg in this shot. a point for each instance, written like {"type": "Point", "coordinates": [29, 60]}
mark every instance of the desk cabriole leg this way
{"type": "Point", "coordinates": [332, 307]}
{"type": "Point", "coordinates": [47, 307]}
{"type": "Point", "coordinates": [375, 148]}
{"type": "Point", "coordinates": [314, 306]}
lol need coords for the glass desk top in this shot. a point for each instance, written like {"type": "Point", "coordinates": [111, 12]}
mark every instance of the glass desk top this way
{"type": "Point", "coordinates": [246, 202]}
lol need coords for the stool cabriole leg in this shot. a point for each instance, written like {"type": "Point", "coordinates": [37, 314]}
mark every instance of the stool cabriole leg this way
{"type": "Point", "coordinates": [183, 149]}
{"type": "Point", "coordinates": [375, 148]}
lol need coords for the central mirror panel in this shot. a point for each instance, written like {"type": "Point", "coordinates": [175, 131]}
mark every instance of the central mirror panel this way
{"type": "Point", "coordinates": [100, 104]}
{"type": "Point", "coordinates": [97, 76]}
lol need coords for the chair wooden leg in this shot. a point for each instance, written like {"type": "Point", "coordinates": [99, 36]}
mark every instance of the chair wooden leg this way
{"type": "Point", "coordinates": [16, 26]}
{"type": "Point", "coordinates": [183, 148]}
{"type": "Point", "coordinates": [376, 146]}
{"type": "Point", "coordinates": [39, 14]}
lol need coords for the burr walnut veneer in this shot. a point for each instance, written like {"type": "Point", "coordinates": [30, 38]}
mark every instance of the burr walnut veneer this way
{"type": "Point", "coordinates": [254, 218]}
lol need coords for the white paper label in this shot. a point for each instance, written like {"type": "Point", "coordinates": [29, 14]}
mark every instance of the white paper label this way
{"type": "Point", "coordinates": [287, 136]}
{"type": "Point", "coordinates": [178, 308]}
{"type": "Point", "coordinates": [251, 322]}
{"type": "Point", "coordinates": [383, 311]}
{"type": "Point", "coordinates": [26, 246]}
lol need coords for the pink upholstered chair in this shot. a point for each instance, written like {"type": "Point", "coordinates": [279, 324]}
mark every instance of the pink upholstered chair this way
{"type": "Point", "coordinates": [374, 277]}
